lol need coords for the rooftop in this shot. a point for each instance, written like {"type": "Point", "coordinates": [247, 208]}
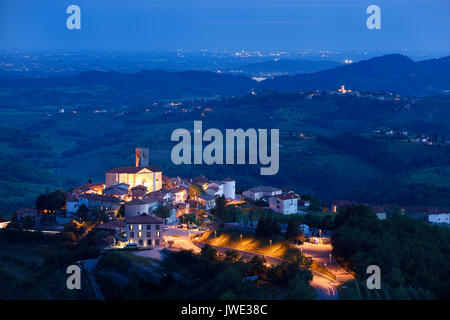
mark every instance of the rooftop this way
{"type": "Point", "coordinates": [99, 197]}
{"type": "Point", "coordinates": [145, 219]}
{"type": "Point", "coordinates": [134, 169]}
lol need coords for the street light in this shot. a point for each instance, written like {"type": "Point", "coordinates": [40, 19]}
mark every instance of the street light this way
{"type": "Point", "coordinates": [241, 237]}
{"type": "Point", "coordinates": [330, 258]}
{"type": "Point", "coordinates": [215, 234]}
{"type": "Point", "coordinates": [270, 242]}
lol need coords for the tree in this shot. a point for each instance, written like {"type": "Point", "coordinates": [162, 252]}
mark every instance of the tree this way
{"type": "Point", "coordinates": [121, 212]}
{"type": "Point", "coordinates": [219, 210]}
{"type": "Point", "coordinates": [194, 191]}
{"type": "Point", "coordinates": [83, 212]}
{"type": "Point", "coordinates": [56, 200]}
{"type": "Point", "coordinates": [42, 203]}
{"type": "Point", "coordinates": [209, 252]}
{"type": "Point", "coordinates": [293, 230]}
{"type": "Point", "coordinates": [103, 217]}
{"type": "Point", "coordinates": [28, 223]}
{"type": "Point", "coordinates": [162, 211]}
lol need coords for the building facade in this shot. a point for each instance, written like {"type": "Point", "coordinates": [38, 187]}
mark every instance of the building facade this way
{"type": "Point", "coordinates": [146, 231]}
{"type": "Point", "coordinates": [284, 203]}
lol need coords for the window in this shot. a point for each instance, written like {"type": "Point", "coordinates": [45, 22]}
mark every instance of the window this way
{"type": "Point", "coordinates": [131, 234]}
{"type": "Point", "coordinates": [140, 234]}
{"type": "Point", "coordinates": [140, 227]}
{"type": "Point", "coordinates": [130, 227]}
{"type": "Point", "coordinates": [158, 235]}
{"type": "Point", "coordinates": [157, 242]}
{"type": "Point", "coordinates": [157, 227]}
{"type": "Point", "coordinates": [140, 242]}
{"type": "Point", "coordinates": [149, 227]}
{"type": "Point", "coordinates": [149, 242]}
{"type": "Point", "coordinates": [149, 234]}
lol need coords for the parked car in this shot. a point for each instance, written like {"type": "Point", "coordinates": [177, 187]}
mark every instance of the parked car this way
{"type": "Point", "coordinates": [131, 246]}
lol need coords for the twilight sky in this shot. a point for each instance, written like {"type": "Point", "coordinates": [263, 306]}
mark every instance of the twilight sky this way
{"type": "Point", "coordinates": [226, 24]}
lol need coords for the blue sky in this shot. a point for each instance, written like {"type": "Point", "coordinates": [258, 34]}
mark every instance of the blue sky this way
{"type": "Point", "coordinates": [226, 24]}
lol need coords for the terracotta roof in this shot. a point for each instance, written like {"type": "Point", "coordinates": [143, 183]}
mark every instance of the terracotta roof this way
{"type": "Point", "coordinates": [145, 219]}
{"type": "Point", "coordinates": [26, 211]}
{"type": "Point", "coordinates": [99, 197]}
{"type": "Point", "coordinates": [136, 202]}
{"type": "Point", "coordinates": [287, 196]}
{"type": "Point", "coordinates": [134, 169]}
{"type": "Point", "coordinates": [111, 225]}
{"type": "Point", "coordinates": [89, 185]}
{"type": "Point", "coordinates": [378, 209]}
{"type": "Point", "coordinates": [206, 197]}
{"type": "Point", "coordinates": [264, 189]}
{"type": "Point", "coordinates": [139, 187]}
{"type": "Point", "coordinates": [178, 189]}
{"type": "Point", "coordinates": [71, 197]}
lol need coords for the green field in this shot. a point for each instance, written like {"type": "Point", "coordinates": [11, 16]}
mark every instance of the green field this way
{"type": "Point", "coordinates": [39, 151]}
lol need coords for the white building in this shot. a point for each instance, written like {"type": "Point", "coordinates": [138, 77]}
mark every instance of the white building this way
{"type": "Point", "coordinates": [439, 218]}
{"type": "Point", "coordinates": [146, 231]}
{"type": "Point", "coordinates": [262, 191]}
{"type": "Point", "coordinates": [137, 207]}
{"type": "Point", "coordinates": [71, 203]}
{"type": "Point", "coordinates": [229, 186]}
{"type": "Point", "coordinates": [179, 194]}
{"type": "Point", "coordinates": [284, 203]}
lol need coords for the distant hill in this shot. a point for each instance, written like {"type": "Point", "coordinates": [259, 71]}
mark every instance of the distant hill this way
{"type": "Point", "coordinates": [122, 88]}
{"type": "Point", "coordinates": [287, 67]}
{"type": "Point", "coordinates": [393, 72]}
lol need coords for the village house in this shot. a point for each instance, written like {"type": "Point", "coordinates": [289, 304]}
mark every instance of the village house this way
{"type": "Point", "coordinates": [71, 203]}
{"type": "Point", "coordinates": [380, 212]}
{"type": "Point", "coordinates": [179, 194]}
{"type": "Point", "coordinates": [140, 206]}
{"type": "Point", "coordinates": [89, 188]}
{"type": "Point", "coordinates": [119, 190]}
{"type": "Point", "coordinates": [443, 217]}
{"type": "Point", "coordinates": [26, 212]}
{"type": "Point", "coordinates": [284, 203]}
{"type": "Point", "coordinates": [207, 201]}
{"type": "Point", "coordinates": [145, 230]}
{"type": "Point", "coordinates": [259, 192]}
{"type": "Point", "coordinates": [214, 191]}
{"type": "Point", "coordinates": [137, 192]}
{"type": "Point", "coordinates": [99, 202]}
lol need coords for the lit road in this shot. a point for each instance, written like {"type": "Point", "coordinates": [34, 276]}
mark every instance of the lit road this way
{"type": "Point", "coordinates": [322, 254]}
{"type": "Point", "coordinates": [325, 288]}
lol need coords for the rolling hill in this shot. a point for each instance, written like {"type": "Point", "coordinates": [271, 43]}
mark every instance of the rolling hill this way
{"type": "Point", "coordinates": [386, 73]}
{"type": "Point", "coordinates": [286, 67]}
